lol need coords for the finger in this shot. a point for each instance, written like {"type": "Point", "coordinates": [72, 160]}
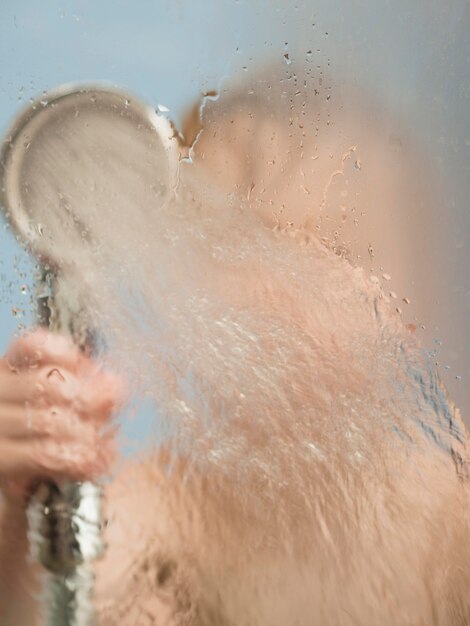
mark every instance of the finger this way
{"type": "Point", "coordinates": [51, 383]}
{"type": "Point", "coordinates": [55, 384]}
{"type": "Point", "coordinates": [96, 395]}
{"type": "Point", "coordinates": [39, 347]}
{"type": "Point", "coordinates": [79, 460]}
{"type": "Point", "coordinates": [25, 460]}
{"type": "Point", "coordinates": [16, 422]}
{"type": "Point", "coordinates": [58, 422]}
{"type": "Point", "coordinates": [39, 388]}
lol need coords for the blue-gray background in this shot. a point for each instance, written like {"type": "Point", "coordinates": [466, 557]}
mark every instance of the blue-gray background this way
{"type": "Point", "coordinates": [413, 55]}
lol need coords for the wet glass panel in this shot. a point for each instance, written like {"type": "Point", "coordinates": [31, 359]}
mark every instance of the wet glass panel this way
{"type": "Point", "coordinates": [241, 229]}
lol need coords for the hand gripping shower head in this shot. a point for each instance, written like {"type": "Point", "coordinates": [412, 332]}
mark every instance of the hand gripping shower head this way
{"type": "Point", "coordinates": [79, 157]}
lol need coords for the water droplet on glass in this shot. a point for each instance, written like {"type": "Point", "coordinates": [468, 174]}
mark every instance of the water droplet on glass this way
{"type": "Point", "coordinates": [286, 58]}
{"type": "Point", "coordinates": [43, 291]}
{"type": "Point", "coordinates": [55, 375]}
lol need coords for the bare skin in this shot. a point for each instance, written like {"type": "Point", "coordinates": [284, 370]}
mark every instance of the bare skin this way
{"type": "Point", "coordinates": [361, 516]}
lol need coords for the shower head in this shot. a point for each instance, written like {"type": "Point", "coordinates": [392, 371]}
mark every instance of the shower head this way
{"type": "Point", "coordinates": [79, 154]}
